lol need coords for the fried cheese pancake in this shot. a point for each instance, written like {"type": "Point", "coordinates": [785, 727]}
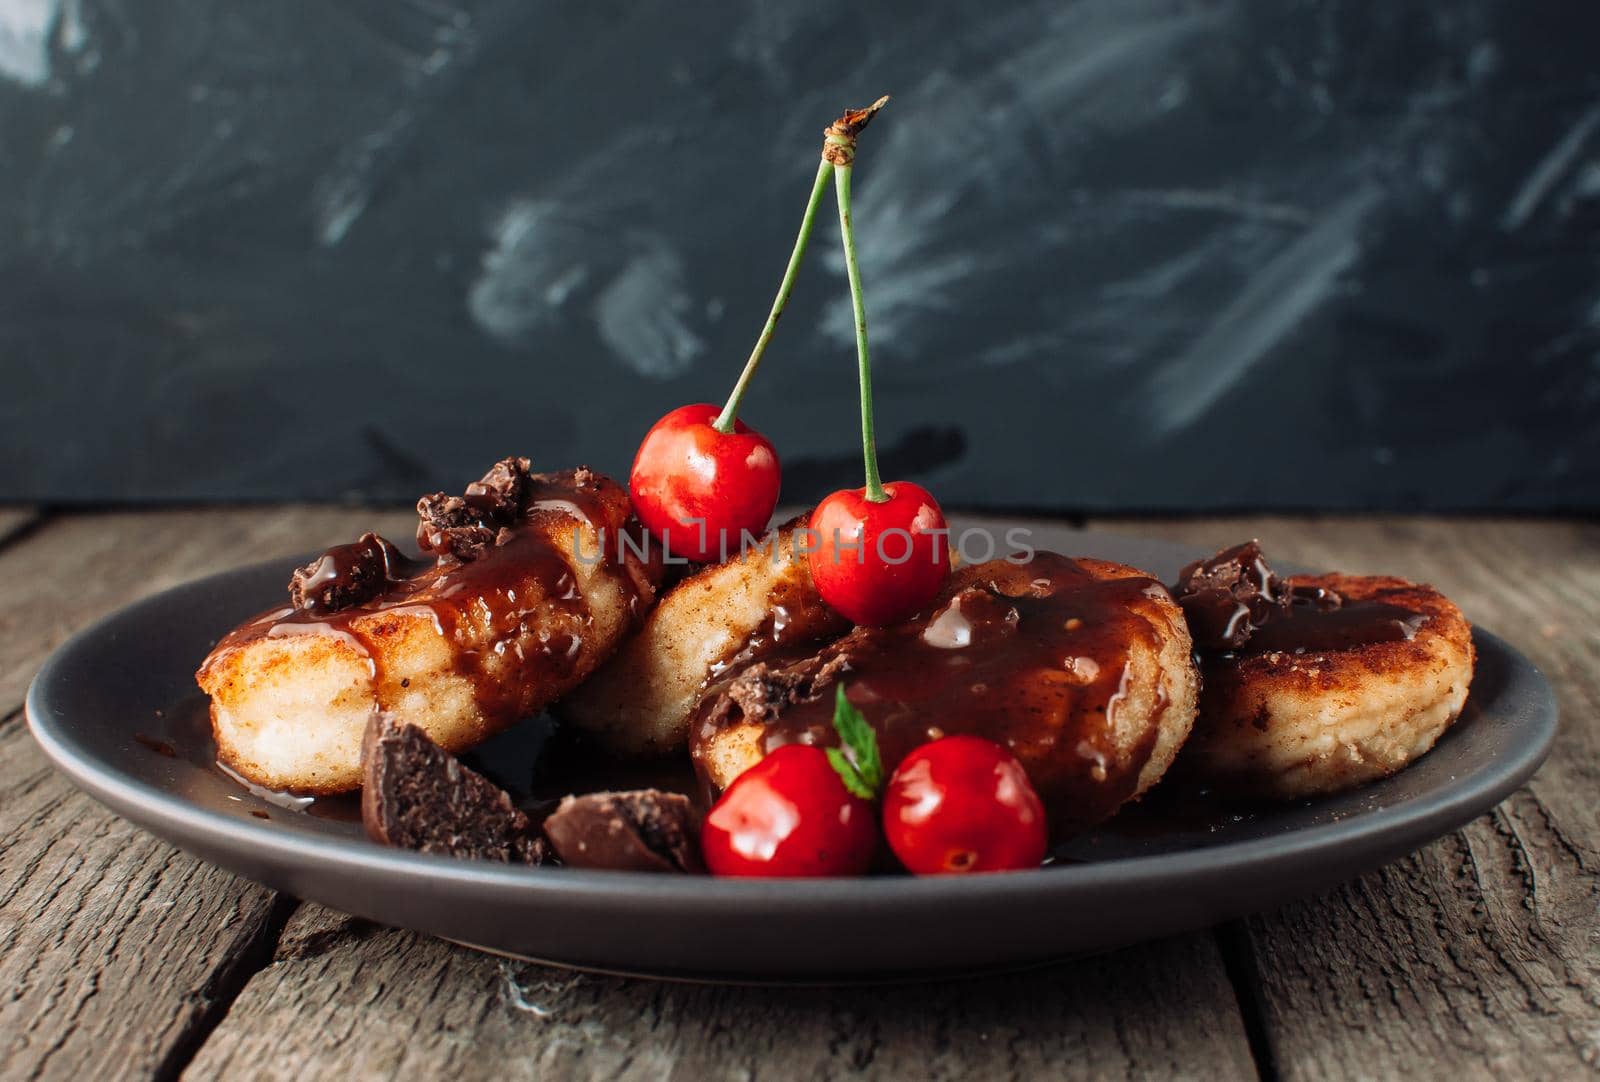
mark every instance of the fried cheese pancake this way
{"type": "Point", "coordinates": [1330, 696]}
{"type": "Point", "coordinates": [530, 591]}
{"type": "Point", "coordinates": [753, 605]}
{"type": "Point", "coordinates": [1081, 668]}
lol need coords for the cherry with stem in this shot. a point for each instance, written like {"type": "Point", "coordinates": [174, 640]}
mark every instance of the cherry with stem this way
{"type": "Point", "coordinates": [883, 549]}
{"type": "Point", "coordinates": [701, 477]}
{"type": "Point", "coordinates": [842, 166]}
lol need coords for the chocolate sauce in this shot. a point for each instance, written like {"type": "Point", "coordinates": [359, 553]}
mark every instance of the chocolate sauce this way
{"type": "Point", "coordinates": [1236, 605]}
{"type": "Point", "coordinates": [1033, 656]}
{"type": "Point", "coordinates": [340, 808]}
{"type": "Point", "coordinates": [513, 613]}
{"type": "Point", "coordinates": [1303, 628]}
{"type": "Point", "coordinates": [160, 747]}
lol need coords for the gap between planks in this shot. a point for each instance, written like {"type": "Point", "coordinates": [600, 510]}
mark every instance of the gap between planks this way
{"type": "Point", "coordinates": [224, 987]}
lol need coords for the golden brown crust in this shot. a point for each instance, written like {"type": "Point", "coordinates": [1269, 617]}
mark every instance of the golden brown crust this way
{"type": "Point", "coordinates": [1356, 663]}
{"type": "Point", "coordinates": [756, 603]}
{"type": "Point", "coordinates": [290, 699]}
{"type": "Point", "coordinates": [1286, 725]}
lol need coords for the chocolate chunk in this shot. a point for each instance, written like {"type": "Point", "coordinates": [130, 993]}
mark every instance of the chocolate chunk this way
{"type": "Point", "coordinates": [1232, 595]}
{"type": "Point", "coordinates": [464, 526]}
{"type": "Point", "coordinates": [503, 489]}
{"type": "Point", "coordinates": [762, 692]}
{"type": "Point", "coordinates": [416, 795]}
{"type": "Point", "coordinates": [449, 526]}
{"type": "Point", "coordinates": [346, 575]}
{"type": "Point", "coordinates": [645, 830]}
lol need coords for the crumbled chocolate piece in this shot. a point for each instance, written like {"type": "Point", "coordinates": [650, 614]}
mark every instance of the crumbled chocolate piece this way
{"type": "Point", "coordinates": [416, 795]}
{"type": "Point", "coordinates": [828, 672]}
{"type": "Point", "coordinates": [464, 526]}
{"type": "Point", "coordinates": [1232, 595]}
{"type": "Point", "coordinates": [346, 575]}
{"type": "Point", "coordinates": [1225, 598]}
{"type": "Point", "coordinates": [503, 489]}
{"type": "Point", "coordinates": [645, 830]}
{"type": "Point", "coordinates": [763, 691]}
{"type": "Point", "coordinates": [583, 477]}
{"type": "Point", "coordinates": [449, 526]}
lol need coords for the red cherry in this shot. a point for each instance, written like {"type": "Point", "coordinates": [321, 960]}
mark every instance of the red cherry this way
{"type": "Point", "coordinates": [697, 488]}
{"type": "Point", "coordinates": [789, 815]}
{"type": "Point", "coordinates": [963, 804]}
{"type": "Point", "coordinates": [876, 563]}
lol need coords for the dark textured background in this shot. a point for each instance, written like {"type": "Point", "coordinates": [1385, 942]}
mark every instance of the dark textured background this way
{"type": "Point", "coordinates": [1121, 254]}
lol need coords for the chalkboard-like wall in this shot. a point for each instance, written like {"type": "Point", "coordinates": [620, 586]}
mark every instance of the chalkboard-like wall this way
{"type": "Point", "coordinates": [1118, 254]}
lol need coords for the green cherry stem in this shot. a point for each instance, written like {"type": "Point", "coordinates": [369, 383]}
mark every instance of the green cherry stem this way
{"type": "Point", "coordinates": [725, 419]}
{"type": "Point", "coordinates": [839, 149]}
{"type": "Point", "coordinates": [869, 442]}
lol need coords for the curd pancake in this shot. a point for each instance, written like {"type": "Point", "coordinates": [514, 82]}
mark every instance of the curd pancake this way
{"type": "Point", "coordinates": [529, 590]}
{"type": "Point", "coordinates": [1316, 683]}
{"type": "Point", "coordinates": [1082, 669]}
{"type": "Point", "coordinates": [757, 603]}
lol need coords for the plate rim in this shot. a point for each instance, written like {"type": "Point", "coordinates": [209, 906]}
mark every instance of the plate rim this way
{"type": "Point", "coordinates": [1410, 823]}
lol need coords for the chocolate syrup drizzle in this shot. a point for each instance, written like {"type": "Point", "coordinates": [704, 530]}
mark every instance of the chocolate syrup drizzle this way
{"type": "Point", "coordinates": [513, 613]}
{"type": "Point", "coordinates": [1236, 605]}
{"type": "Point", "coordinates": [1034, 656]}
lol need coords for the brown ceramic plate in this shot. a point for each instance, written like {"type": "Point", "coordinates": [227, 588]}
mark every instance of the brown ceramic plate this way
{"type": "Point", "coordinates": [116, 709]}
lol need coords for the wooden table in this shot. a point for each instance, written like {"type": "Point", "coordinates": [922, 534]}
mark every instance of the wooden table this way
{"type": "Point", "coordinates": [1477, 957]}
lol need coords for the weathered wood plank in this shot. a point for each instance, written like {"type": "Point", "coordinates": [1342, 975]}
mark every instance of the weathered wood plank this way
{"type": "Point", "coordinates": [113, 947]}
{"type": "Point", "coordinates": [76, 568]}
{"type": "Point", "coordinates": [346, 999]}
{"type": "Point", "coordinates": [1477, 956]}
{"type": "Point", "coordinates": [116, 950]}
{"type": "Point", "coordinates": [14, 520]}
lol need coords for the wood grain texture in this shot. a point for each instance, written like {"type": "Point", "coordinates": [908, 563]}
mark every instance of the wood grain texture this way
{"type": "Point", "coordinates": [1474, 957]}
{"type": "Point", "coordinates": [1477, 956]}
{"type": "Point", "coordinates": [116, 951]}
{"type": "Point", "coordinates": [346, 999]}
{"type": "Point", "coordinates": [114, 947]}
{"type": "Point", "coordinates": [14, 520]}
{"type": "Point", "coordinates": [71, 570]}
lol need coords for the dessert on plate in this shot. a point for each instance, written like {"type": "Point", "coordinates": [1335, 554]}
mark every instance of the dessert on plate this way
{"type": "Point", "coordinates": [1080, 668]}
{"type": "Point", "coordinates": [528, 591]}
{"type": "Point", "coordinates": [1317, 683]}
{"type": "Point", "coordinates": [852, 699]}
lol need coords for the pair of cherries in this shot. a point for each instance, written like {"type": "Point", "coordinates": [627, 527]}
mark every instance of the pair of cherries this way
{"type": "Point", "coordinates": [703, 480]}
{"type": "Point", "coordinates": [874, 561]}
{"type": "Point", "coordinates": [956, 805]}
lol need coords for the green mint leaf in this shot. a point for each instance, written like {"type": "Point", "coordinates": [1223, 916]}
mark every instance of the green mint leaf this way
{"type": "Point", "coordinates": [861, 744]}
{"type": "Point", "coordinates": [849, 775]}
